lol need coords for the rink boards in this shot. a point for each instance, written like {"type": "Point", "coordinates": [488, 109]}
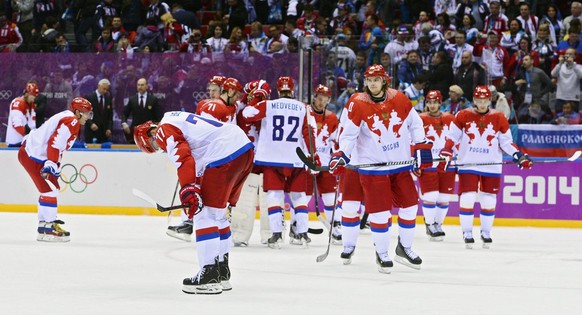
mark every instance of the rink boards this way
{"type": "Point", "coordinates": [99, 181]}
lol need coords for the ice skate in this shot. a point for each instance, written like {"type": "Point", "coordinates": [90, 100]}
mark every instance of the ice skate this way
{"type": "Point", "coordinates": [240, 244]}
{"type": "Point", "coordinates": [439, 228]}
{"type": "Point", "coordinates": [273, 241]}
{"type": "Point", "coordinates": [347, 254]}
{"type": "Point", "coordinates": [304, 239]}
{"type": "Point", "coordinates": [182, 232]}
{"type": "Point", "coordinates": [469, 240]}
{"type": "Point", "coordinates": [384, 263]}
{"type": "Point", "coordinates": [432, 232]}
{"type": "Point", "coordinates": [486, 238]}
{"type": "Point", "coordinates": [52, 232]}
{"type": "Point", "coordinates": [207, 281]}
{"type": "Point", "coordinates": [336, 233]}
{"type": "Point", "coordinates": [407, 257]}
{"type": "Point", "coordinates": [224, 274]}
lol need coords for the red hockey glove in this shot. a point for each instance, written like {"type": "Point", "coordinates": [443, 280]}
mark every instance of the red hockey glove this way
{"type": "Point", "coordinates": [338, 162]}
{"type": "Point", "coordinates": [261, 94]}
{"type": "Point", "coordinates": [522, 160]}
{"type": "Point", "coordinates": [422, 155]}
{"type": "Point", "coordinates": [317, 163]}
{"type": "Point", "coordinates": [447, 156]}
{"type": "Point", "coordinates": [191, 199]}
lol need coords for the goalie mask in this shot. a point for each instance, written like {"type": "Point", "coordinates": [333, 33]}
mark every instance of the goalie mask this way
{"type": "Point", "coordinates": [142, 139]}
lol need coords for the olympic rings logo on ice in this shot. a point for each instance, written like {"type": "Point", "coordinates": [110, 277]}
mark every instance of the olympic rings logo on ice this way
{"type": "Point", "coordinates": [5, 94]}
{"type": "Point", "coordinates": [78, 179]}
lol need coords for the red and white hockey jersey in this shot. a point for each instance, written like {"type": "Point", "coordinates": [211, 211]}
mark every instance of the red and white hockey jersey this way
{"type": "Point", "coordinates": [21, 114]}
{"type": "Point", "coordinates": [195, 143]}
{"type": "Point", "coordinates": [217, 109]}
{"type": "Point", "coordinates": [283, 129]}
{"type": "Point", "coordinates": [481, 137]}
{"type": "Point", "coordinates": [326, 136]}
{"type": "Point", "coordinates": [54, 137]}
{"type": "Point", "coordinates": [436, 130]}
{"type": "Point", "coordinates": [380, 132]}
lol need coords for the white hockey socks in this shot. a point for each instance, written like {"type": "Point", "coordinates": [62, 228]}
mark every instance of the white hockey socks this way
{"type": "Point", "coordinates": [207, 236]}
{"type": "Point", "coordinates": [223, 230]}
{"type": "Point", "coordinates": [350, 223]}
{"type": "Point", "coordinates": [328, 199]}
{"type": "Point", "coordinates": [299, 200]}
{"type": "Point", "coordinates": [380, 224]}
{"type": "Point", "coordinates": [442, 208]}
{"type": "Point", "coordinates": [487, 216]}
{"type": "Point", "coordinates": [275, 199]}
{"type": "Point", "coordinates": [466, 211]}
{"type": "Point", "coordinates": [429, 201]}
{"type": "Point", "coordinates": [406, 225]}
{"type": "Point", "coordinates": [47, 206]}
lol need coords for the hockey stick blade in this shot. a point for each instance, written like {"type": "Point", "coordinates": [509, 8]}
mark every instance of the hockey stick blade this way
{"type": "Point", "coordinates": [314, 231]}
{"type": "Point", "coordinates": [143, 196]}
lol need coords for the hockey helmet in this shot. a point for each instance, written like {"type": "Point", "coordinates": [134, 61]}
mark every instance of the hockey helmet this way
{"type": "Point", "coordinates": [434, 95]}
{"type": "Point", "coordinates": [32, 89]}
{"type": "Point", "coordinates": [377, 71]}
{"type": "Point", "coordinates": [80, 104]}
{"type": "Point", "coordinates": [217, 79]}
{"type": "Point", "coordinates": [285, 84]}
{"type": "Point", "coordinates": [482, 92]}
{"type": "Point", "coordinates": [232, 84]}
{"type": "Point", "coordinates": [142, 138]}
{"type": "Point", "coordinates": [323, 90]}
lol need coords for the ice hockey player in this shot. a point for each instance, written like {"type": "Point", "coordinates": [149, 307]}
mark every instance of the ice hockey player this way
{"type": "Point", "coordinates": [221, 154]}
{"type": "Point", "coordinates": [283, 128]}
{"type": "Point", "coordinates": [325, 140]}
{"type": "Point", "coordinates": [381, 125]}
{"type": "Point", "coordinates": [22, 115]}
{"type": "Point", "coordinates": [436, 187]}
{"type": "Point", "coordinates": [40, 155]}
{"type": "Point", "coordinates": [482, 134]}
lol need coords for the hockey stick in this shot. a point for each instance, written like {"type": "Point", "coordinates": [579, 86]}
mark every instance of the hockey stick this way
{"type": "Point", "coordinates": [312, 149]}
{"type": "Point", "coordinates": [314, 231]}
{"type": "Point", "coordinates": [312, 165]}
{"type": "Point", "coordinates": [573, 158]}
{"type": "Point", "coordinates": [151, 201]}
{"type": "Point", "coordinates": [323, 256]}
{"type": "Point", "coordinates": [173, 199]}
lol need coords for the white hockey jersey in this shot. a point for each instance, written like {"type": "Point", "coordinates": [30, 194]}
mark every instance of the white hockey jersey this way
{"type": "Point", "coordinates": [21, 115]}
{"type": "Point", "coordinates": [54, 137]}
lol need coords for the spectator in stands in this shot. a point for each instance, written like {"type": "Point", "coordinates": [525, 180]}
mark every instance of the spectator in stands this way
{"type": "Point", "coordinates": [359, 69]}
{"type": "Point", "coordinates": [573, 41]}
{"type": "Point", "coordinates": [552, 18]}
{"type": "Point", "coordinates": [470, 74]}
{"type": "Point", "coordinates": [499, 102]}
{"type": "Point", "coordinates": [398, 48]}
{"type": "Point", "coordinates": [568, 116]}
{"type": "Point", "coordinates": [346, 57]}
{"type": "Point", "coordinates": [262, 10]}
{"type": "Point", "coordinates": [415, 92]}
{"type": "Point", "coordinates": [149, 35]}
{"type": "Point", "coordinates": [441, 76]}
{"type": "Point", "coordinates": [417, 27]}
{"type": "Point", "coordinates": [493, 58]}
{"type": "Point", "coordinates": [117, 30]}
{"type": "Point", "coordinates": [24, 12]}
{"type": "Point", "coordinates": [444, 24]}
{"type": "Point", "coordinates": [373, 40]}
{"type": "Point", "coordinates": [85, 22]}
{"type": "Point", "coordinates": [529, 23]}
{"type": "Point", "coordinates": [10, 37]}
{"type": "Point", "coordinates": [495, 21]}
{"type": "Point", "coordinates": [477, 8]}
{"type": "Point", "coordinates": [576, 10]}
{"type": "Point", "coordinates": [237, 47]}
{"type": "Point", "coordinates": [277, 43]}
{"type": "Point", "coordinates": [408, 70]}
{"type": "Point", "coordinates": [105, 11]}
{"type": "Point", "coordinates": [42, 10]}
{"type": "Point", "coordinates": [510, 39]}
{"type": "Point", "coordinates": [534, 113]}
{"type": "Point", "coordinates": [257, 39]}
{"type": "Point", "coordinates": [512, 8]}
{"type": "Point", "coordinates": [532, 82]}
{"type": "Point", "coordinates": [291, 30]}
{"type": "Point", "coordinates": [185, 17]}
{"type": "Point", "coordinates": [434, 35]}
{"type": "Point", "coordinates": [195, 46]}
{"type": "Point", "coordinates": [98, 129]}
{"type": "Point", "coordinates": [456, 101]}
{"type": "Point", "coordinates": [448, 7]}
{"type": "Point", "coordinates": [158, 12]}
{"type": "Point", "coordinates": [386, 63]}
{"type": "Point", "coordinates": [545, 48]}
{"type": "Point", "coordinates": [425, 52]}
{"type": "Point", "coordinates": [516, 59]}
{"type": "Point", "coordinates": [343, 21]}
{"type": "Point", "coordinates": [236, 14]}
{"type": "Point", "coordinates": [307, 21]}
{"type": "Point", "coordinates": [61, 44]}
{"type": "Point", "coordinates": [468, 27]}
{"type": "Point", "coordinates": [105, 43]}
{"type": "Point", "coordinates": [455, 51]}
{"type": "Point", "coordinates": [568, 75]}
{"type": "Point", "coordinates": [342, 100]}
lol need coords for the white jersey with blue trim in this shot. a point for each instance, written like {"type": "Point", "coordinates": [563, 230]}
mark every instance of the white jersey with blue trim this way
{"type": "Point", "coordinates": [212, 143]}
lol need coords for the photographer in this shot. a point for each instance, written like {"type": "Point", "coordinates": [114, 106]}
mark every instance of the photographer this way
{"type": "Point", "coordinates": [568, 75]}
{"type": "Point", "coordinates": [195, 45]}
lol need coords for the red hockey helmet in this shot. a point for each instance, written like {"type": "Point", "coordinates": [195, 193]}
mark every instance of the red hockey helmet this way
{"type": "Point", "coordinates": [142, 138]}
{"type": "Point", "coordinates": [217, 79]}
{"type": "Point", "coordinates": [322, 89]}
{"type": "Point", "coordinates": [80, 104]}
{"type": "Point", "coordinates": [376, 71]}
{"type": "Point", "coordinates": [482, 92]}
{"type": "Point", "coordinates": [32, 89]}
{"type": "Point", "coordinates": [434, 95]}
{"type": "Point", "coordinates": [285, 84]}
{"type": "Point", "coordinates": [232, 84]}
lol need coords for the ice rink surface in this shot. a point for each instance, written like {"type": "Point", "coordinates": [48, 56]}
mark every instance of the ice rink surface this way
{"type": "Point", "coordinates": [127, 265]}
